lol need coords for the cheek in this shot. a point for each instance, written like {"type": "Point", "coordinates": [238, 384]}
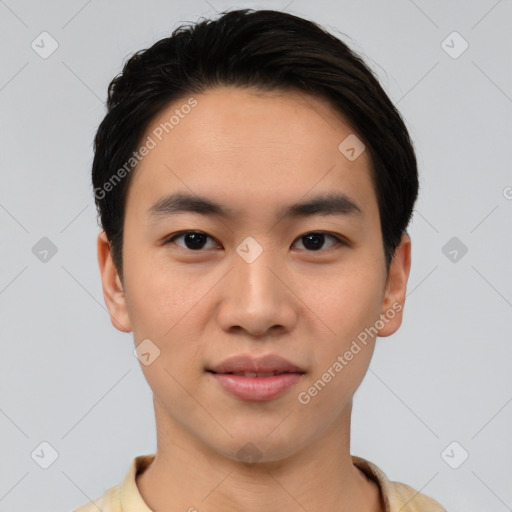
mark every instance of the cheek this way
{"type": "Point", "coordinates": [158, 298]}
{"type": "Point", "coordinates": [347, 302]}
{"type": "Point", "coordinates": [164, 309]}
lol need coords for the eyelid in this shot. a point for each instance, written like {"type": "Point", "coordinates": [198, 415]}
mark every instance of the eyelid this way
{"type": "Point", "coordinates": [340, 240]}
{"type": "Point", "coordinates": [170, 239]}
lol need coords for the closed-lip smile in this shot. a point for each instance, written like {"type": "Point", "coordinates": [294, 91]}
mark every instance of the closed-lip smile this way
{"type": "Point", "coordinates": [244, 363]}
{"type": "Point", "coordinates": [256, 378]}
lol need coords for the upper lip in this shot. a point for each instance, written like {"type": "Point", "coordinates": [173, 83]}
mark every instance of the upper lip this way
{"type": "Point", "coordinates": [247, 363]}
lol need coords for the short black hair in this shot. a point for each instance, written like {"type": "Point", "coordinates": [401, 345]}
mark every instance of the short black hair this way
{"type": "Point", "coordinates": [268, 50]}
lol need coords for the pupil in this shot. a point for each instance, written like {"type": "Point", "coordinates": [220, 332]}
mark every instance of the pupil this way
{"type": "Point", "coordinates": [314, 241]}
{"type": "Point", "coordinates": [193, 240]}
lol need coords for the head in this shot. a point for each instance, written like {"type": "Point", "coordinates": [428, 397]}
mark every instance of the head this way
{"type": "Point", "coordinates": [254, 183]}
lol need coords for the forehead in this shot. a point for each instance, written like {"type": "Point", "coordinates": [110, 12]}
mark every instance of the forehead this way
{"type": "Point", "coordinates": [246, 148]}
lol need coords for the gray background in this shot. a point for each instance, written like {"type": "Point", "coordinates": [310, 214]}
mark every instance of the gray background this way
{"type": "Point", "coordinates": [69, 378]}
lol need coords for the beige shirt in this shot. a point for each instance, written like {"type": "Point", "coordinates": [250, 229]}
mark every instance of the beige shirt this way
{"type": "Point", "coordinates": [126, 497]}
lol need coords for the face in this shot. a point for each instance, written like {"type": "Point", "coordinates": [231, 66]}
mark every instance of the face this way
{"type": "Point", "coordinates": [278, 254]}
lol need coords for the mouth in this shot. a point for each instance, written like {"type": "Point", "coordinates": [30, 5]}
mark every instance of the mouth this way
{"type": "Point", "coordinates": [250, 366]}
{"type": "Point", "coordinates": [254, 374]}
{"type": "Point", "coordinates": [256, 379]}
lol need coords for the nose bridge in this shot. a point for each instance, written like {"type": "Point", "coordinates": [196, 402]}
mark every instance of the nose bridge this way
{"type": "Point", "coordinates": [255, 297]}
{"type": "Point", "coordinates": [257, 285]}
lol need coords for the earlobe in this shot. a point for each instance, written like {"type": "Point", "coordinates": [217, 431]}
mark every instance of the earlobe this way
{"type": "Point", "coordinates": [396, 287]}
{"type": "Point", "coordinates": [113, 291]}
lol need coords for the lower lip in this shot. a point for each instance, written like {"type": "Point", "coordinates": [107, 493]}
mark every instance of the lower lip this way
{"type": "Point", "coordinates": [257, 389]}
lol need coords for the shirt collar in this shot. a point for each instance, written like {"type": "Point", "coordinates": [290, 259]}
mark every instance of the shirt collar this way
{"type": "Point", "coordinates": [131, 498]}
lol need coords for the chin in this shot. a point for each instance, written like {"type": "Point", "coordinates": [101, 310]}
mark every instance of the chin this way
{"type": "Point", "coordinates": [258, 448]}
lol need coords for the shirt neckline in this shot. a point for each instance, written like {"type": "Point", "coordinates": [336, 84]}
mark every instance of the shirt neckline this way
{"type": "Point", "coordinates": [131, 499]}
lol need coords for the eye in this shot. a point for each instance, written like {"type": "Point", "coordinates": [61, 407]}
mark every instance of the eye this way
{"type": "Point", "coordinates": [315, 240]}
{"type": "Point", "coordinates": [194, 240]}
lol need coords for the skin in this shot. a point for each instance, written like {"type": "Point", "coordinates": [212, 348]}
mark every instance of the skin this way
{"type": "Point", "coordinates": [255, 152]}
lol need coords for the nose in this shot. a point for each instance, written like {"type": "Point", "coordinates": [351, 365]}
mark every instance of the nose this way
{"type": "Point", "coordinates": [256, 297]}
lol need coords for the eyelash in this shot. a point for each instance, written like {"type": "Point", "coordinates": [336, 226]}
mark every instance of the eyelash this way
{"type": "Point", "coordinates": [339, 241]}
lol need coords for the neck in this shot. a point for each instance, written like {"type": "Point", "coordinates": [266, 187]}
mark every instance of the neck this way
{"type": "Point", "coordinates": [186, 475]}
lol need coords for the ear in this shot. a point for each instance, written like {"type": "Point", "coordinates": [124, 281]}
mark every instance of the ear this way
{"type": "Point", "coordinates": [396, 285]}
{"type": "Point", "coordinates": [113, 291]}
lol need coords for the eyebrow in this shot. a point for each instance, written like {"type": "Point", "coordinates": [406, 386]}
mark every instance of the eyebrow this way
{"type": "Point", "coordinates": [337, 204]}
